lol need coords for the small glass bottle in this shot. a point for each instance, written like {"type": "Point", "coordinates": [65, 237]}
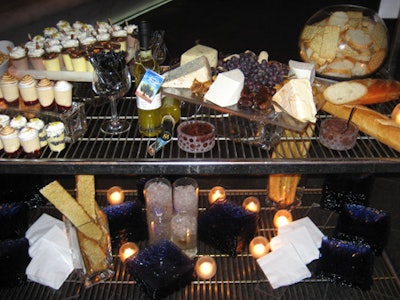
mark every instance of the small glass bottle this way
{"type": "Point", "coordinates": [170, 112]}
{"type": "Point", "coordinates": [149, 119]}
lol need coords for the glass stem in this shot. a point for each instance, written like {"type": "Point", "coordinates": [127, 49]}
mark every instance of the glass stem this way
{"type": "Point", "coordinates": [114, 113]}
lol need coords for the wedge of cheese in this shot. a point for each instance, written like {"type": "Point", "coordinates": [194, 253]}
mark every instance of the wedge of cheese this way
{"type": "Point", "coordinates": [226, 89]}
{"type": "Point", "coordinates": [296, 98]}
{"type": "Point", "coordinates": [200, 50]}
{"type": "Point", "coordinates": [302, 69]}
{"type": "Point", "coordinates": [183, 76]}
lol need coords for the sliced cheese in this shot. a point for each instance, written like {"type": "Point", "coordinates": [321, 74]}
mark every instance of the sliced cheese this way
{"type": "Point", "coordinates": [302, 69]}
{"type": "Point", "coordinates": [183, 76]}
{"type": "Point", "coordinates": [200, 50]}
{"type": "Point", "coordinates": [226, 89]}
{"type": "Point", "coordinates": [296, 98]}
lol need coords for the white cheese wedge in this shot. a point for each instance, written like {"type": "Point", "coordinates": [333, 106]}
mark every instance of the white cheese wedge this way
{"type": "Point", "coordinates": [183, 76]}
{"type": "Point", "coordinates": [226, 89]}
{"type": "Point", "coordinates": [200, 50]}
{"type": "Point", "coordinates": [262, 56]}
{"type": "Point", "coordinates": [302, 69]}
{"type": "Point", "coordinates": [296, 98]}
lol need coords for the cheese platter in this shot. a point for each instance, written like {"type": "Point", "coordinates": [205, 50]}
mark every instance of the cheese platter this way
{"type": "Point", "coordinates": [281, 119]}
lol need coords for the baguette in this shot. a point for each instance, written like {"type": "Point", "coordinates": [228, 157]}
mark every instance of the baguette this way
{"type": "Point", "coordinates": [362, 91]}
{"type": "Point", "coordinates": [368, 121]}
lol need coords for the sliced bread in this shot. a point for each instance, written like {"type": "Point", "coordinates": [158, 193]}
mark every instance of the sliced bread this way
{"type": "Point", "coordinates": [345, 92]}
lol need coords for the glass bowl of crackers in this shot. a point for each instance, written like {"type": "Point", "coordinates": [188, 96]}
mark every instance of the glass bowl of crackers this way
{"type": "Point", "coordinates": [344, 42]}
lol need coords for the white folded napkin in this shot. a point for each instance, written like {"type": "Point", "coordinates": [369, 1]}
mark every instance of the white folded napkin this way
{"type": "Point", "coordinates": [49, 266]}
{"type": "Point", "coordinates": [283, 267]}
{"type": "Point", "coordinates": [41, 226]}
{"type": "Point", "coordinates": [51, 262]}
{"type": "Point", "coordinates": [56, 237]}
{"type": "Point", "coordinates": [312, 229]}
{"type": "Point", "coordinates": [300, 239]}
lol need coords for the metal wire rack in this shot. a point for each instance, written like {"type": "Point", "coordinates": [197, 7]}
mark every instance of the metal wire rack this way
{"type": "Point", "coordinates": [237, 277]}
{"type": "Point", "coordinates": [242, 147]}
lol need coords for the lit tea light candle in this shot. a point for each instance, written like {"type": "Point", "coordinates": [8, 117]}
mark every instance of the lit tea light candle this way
{"type": "Point", "coordinates": [251, 204]}
{"type": "Point", "coordinates": [115, 195]}
{"type": "Point", "coordinates": [217, 193]}
{"type": "Point", "coordinates": [259, 246]}
{"type": "Point", "coordinates": [127, 250]}
{"type": "Point", "coordinates": [206, 267]}
{"type": "Point", "coordinates": [282, 217]}
{"type": "Point", "coordinates": [396, 114]}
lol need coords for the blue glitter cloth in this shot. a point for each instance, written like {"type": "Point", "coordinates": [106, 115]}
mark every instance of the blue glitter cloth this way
{"type": "Point", "coordinates": [126, 222]}
{"type": "Point", "coordinates": [14, 259]}
{"type": "Point", "coordinates": [13, 220]}
{"type": "Point", "coordinates": [346, 262]}
{"type": "Point", "coordinates": [161, 269]}
{"type": "Point", "coordinates": [227, 227]}
{"type": "Point", "coordinates": [357, 222]}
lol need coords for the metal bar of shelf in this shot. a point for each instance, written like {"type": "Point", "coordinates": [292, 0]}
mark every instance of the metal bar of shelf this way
{"type": "Point", "coordinates": [241, 148]}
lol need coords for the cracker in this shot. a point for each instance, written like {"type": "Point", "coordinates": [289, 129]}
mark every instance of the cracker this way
{"type": "Point", "coordinates": [85, 194]}
{"type": "Point", "coordinates": [376, 60]}
{"type": "Point", "coordinates": [355, 19]}
{"type": "Point", "coordinates": [330, 40]}
{"type": "Point", "coordinates": [70, 208]}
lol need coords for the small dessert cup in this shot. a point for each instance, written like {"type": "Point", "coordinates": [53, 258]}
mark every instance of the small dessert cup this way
{"type": "Point", "coordinates": [55, 132]}
{"type": "Point", "coordinates": [45, 91]}
{"type": "Point", "coordinates": [11, 144]}
{"type": "Point", "coordinates": [9, 89]}
{"type": "Point", "coordinates": [63, 95]}
{"type": "Point", "coordinates": [29, 140]}
{"type": "Point", "coordinates": [27, 90]}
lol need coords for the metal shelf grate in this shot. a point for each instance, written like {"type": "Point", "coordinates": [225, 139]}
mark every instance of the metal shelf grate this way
{"type": "Point", "coordinates": [236, 278]}
{"type": "Point", "coordinates": [237, 148]}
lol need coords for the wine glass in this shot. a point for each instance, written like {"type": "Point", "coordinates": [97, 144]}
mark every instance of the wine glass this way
{"type": "Point", "coordinates": [113, 81]}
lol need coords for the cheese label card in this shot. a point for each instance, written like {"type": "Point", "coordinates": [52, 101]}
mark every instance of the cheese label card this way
{"type": "Point", "coordinates": [149, 85]}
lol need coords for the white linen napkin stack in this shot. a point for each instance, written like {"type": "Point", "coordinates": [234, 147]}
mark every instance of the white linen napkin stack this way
{"type": "Point", "coordinates": [49, 249]}
{"type": "Point", "coordinates": [296, 245]}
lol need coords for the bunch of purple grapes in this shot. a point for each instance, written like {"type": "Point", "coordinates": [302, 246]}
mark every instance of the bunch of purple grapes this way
{"type": "Point", "coordinates": [260, 78]}
{"type": "Point", "coordinates": [257, 75]}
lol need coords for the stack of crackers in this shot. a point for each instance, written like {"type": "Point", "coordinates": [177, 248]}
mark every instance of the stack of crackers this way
{"type": "Point", "coordinates": [345, 44]}
{"type": "Point", "coordinates": [90, 222]}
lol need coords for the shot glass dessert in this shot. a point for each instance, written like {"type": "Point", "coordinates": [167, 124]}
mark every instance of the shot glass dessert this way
{"type": "Point", "coordinates": [55, 132]}
{"type": "Point", "coordinates": [29, 140]}
{"type": "Point", "coordinates": [120, 36]}
{"type": "Point", "coordinates": [78, 60]}
{"type": "Point", "coordinates": [39, 125]}
{"type": "Point", "coordinates": [45, 91]}
{"type": "Point", "coordinates": [27, 90]}
{"type": "Point", "coordinates": [18, 58]}
{"type": "Point", "coordinates": [18, 122]}
{"type": "Point", "coordinates": [9, 88]}
{"type": "Point", "coordinates": [68, 46]}
{"type": "Point", "coordinates": [11, 144]}
{"type": "Point", "coordinates": [63, 95]}
{"type": "Point", "coordinates": [35, 56]}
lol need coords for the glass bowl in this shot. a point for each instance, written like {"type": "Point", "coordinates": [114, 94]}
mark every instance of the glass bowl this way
{"type": "Point", "coordinates": [344, 42]}
{"type": "Point", "coordinates": [196, 136]}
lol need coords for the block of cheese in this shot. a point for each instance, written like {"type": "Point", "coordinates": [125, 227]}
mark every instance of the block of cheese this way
{"type": "Point", "coordinates": [302, 69]}
{"type": "Point", "coordinates": [200, 50]}
{"type": "Point", "coordinates": [226, 89]}
{"type": "Point", "coordinates": [296, 98]}
{"type": "Point", "coordinates": [183, 76]}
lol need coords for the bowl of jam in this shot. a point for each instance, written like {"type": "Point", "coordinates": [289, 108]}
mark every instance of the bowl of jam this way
{"type": "Point", "coordinates": [196, 136]}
